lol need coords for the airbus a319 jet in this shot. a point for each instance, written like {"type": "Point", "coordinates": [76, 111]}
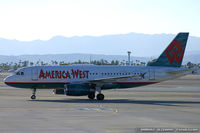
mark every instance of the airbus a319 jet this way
{"type": "Point", "coordinates": [86, 80]}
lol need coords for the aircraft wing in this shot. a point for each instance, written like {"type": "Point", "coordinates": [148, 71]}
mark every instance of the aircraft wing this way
{"type": "Point", "coordinates": [105, 80]}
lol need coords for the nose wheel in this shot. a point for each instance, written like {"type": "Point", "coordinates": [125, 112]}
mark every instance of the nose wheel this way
{"type": "Point", "coordinates": [33, 97]}
{"type": "Point", "coordinates": [34, 92]}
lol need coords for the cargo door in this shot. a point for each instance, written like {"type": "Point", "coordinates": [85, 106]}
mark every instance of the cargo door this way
{"type": "Point", "coordinates": [34, 73]}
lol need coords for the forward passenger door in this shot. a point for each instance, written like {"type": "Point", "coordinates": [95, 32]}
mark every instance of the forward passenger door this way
{"type": "Point", "coordinates": [34, 74]}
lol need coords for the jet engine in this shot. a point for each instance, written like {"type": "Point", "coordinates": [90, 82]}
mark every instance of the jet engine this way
{"type": "Point", "coordinates": [74, 90]}
{"type": "Point", "coordinates": [77, 90]}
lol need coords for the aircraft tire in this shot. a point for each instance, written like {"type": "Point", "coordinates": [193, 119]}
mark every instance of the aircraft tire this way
{"type": "Point", "coordinates": [33, 97]}
{"type": "Point", "coordinates": [100, 97]}
{"type": "Point", "coordinates": [91, 95]}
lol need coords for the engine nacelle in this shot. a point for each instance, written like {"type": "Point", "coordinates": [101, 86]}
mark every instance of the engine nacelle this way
{"type": "Point", "coordinates": [74, 90]}
{"type": "Point", "coordinates": [77, 90]}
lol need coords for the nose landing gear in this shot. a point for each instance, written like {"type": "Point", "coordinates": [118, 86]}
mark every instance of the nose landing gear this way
{"type": "Point", "coordinates": [34, 92]}
{"type": "Point", "coordinates": [33, 97]}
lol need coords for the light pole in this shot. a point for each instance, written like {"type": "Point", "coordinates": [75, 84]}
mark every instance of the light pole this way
{"type": "Point", "coordinates": [129, 58]}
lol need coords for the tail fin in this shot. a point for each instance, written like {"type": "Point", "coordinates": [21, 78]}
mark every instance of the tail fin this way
{"type": "Point", "coordinates": [173, 54]}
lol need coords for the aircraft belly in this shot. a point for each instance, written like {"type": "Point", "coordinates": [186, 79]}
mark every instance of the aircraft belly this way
{"type": "Point", "coordinates": [37, 85]}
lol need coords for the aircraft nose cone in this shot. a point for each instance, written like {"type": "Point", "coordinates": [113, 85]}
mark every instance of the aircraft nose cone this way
{"type": "Point", "coordinates": [6, 80]}
{"type": "Point", "coordinates": [9, 81]}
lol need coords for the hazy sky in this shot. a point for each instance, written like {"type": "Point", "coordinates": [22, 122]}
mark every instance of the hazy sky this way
{"type": "Point", "coordinates": [42, 19]}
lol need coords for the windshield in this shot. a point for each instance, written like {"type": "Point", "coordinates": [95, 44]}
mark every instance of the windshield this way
{"type": "Point", "coordinates": [18, 72]}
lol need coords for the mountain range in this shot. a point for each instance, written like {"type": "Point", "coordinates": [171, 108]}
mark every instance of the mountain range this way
{"type": "Point", "coordinates": [144, 47]}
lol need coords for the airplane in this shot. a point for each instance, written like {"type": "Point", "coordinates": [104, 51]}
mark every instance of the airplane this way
{"type": "Point", "coordinates": [86, 80]}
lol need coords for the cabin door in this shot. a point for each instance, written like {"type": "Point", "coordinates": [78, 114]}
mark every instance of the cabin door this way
{"type": "Point", "coordinates": [34, 74]}
{"type": "Point", "coordinates": [151, 74]}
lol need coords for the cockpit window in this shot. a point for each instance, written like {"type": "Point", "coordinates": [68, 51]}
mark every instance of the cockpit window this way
{"type": "Point", "coordinates": [19, 73]}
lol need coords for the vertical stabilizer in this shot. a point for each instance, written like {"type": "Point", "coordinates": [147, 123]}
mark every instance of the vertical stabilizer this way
{"type": "Point", "coordinates": [173, 54]}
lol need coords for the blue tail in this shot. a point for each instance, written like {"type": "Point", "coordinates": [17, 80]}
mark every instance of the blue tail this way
{"type": "Point", "coordinates": [173, 54]}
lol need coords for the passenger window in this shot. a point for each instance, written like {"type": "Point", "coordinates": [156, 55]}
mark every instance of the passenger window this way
{"type": "Point", "coordinates": [22, 73]}
{"type": "Point", "coordinates": [17, 73]}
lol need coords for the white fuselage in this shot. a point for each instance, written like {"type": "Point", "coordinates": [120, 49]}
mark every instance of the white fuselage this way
{"type": "Point", "coordinates": [57, 76]}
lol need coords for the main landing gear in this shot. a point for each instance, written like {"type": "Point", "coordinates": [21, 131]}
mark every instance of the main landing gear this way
{"type": "Point", "coordinates": [99, 96]}
{"type": "Point", "coordinates": [91, 95]}
{"type": "Point", "coordinates": [33, 96]}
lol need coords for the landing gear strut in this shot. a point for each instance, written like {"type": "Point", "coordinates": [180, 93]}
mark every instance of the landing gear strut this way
{"type": "Point", "coordinates": [33, 96]}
